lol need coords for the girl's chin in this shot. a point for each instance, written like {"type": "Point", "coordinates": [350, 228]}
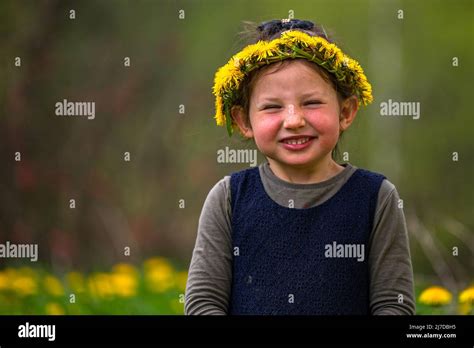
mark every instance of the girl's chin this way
{"type": "Point", "coordinates": [300, 160]}
{"type": "Point", "coordinates": [296, 163]}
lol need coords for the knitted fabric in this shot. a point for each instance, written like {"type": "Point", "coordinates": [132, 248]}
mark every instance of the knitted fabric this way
{"type": "Point", "coordinates": [281, 264]}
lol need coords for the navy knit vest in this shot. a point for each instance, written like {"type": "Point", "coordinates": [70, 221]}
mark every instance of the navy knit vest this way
{"type": "Point", "coordinates": [280, 264]}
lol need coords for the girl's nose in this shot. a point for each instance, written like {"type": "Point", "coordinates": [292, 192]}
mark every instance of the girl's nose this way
{"type": "Point", "coordinates": [294, 118]}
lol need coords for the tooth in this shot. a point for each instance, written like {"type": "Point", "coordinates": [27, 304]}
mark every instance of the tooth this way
{"type": "Point", "coordinates": [297, 141]}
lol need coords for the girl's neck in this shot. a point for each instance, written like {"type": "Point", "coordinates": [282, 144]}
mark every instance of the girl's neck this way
{"type": "Point", "coordinates": [321, 171]}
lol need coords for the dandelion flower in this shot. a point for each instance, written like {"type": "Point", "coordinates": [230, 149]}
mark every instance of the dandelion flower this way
{"type": "Point", "coordinates": [53, 286]}
{"type": "Point", "coordinates": [124, 284]}
{"type": "Point", "coordinates": [125, 268]}
{"type": "Point", "coordinates": [158, 274]}
{"type": "Point", "coordinates": [4, 281]}
{"type": "Point", "coordinates": [100, 285]}
{"type": "Point", "coordinates": [75, 281]}
{"type": "Point", "coordinates": [435, 296]}
{"type": "Point", "coordinates": [53, 308]}
{"type": "Point", "coordinates": [467, 296]}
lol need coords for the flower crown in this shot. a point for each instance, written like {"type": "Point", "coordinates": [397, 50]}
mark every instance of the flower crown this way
{"type": "Point", "coordinates": [290, 45]}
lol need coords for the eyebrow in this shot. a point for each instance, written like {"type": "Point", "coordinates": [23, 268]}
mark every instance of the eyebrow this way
{"type": "Point", "coordinates": [305, 95]}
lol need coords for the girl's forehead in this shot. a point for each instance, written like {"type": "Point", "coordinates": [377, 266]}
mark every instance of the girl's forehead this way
{"type": "Point", "coordinates": [294, 74]}
{"type": "Point", "coordinates": [290, 64]}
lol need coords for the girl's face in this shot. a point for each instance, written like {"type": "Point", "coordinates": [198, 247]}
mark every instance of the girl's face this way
{"type": "Point", "coordinates": [295, 116]}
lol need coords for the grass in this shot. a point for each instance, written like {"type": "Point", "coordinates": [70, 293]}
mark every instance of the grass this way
{"type": "Point", "coordinates": [154, 288]}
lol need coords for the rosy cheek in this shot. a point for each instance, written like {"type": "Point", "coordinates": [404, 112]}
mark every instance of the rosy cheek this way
{"type": "Point", "coordinates": [266, 128]}
{"type": "Point", "coordinates": [324, 123]}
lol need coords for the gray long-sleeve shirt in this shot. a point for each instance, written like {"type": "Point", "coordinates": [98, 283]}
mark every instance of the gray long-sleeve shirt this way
{"type": "Point", "coordinates": [209, 282]}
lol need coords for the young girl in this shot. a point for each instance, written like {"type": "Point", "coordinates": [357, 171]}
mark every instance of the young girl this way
{"type": "Point", "coordinates": [301, 233]}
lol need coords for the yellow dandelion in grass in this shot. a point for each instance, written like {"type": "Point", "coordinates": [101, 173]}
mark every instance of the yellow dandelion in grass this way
{"type": "Point", "coordinates": [53, 308]}
{"type": "Point", "coordinates": [101, 285]}
{"type": "Point", "coordinates": [24, 285]}
{"type": "Point", "coordinates": [124, 284]}
{"type": "Point", "coordinates": [466, 301]}
{"type": "Point", "coordinates": [125, 280]}
{"type": "Point", "coordinates": [76, 282]}
{"type": "Point", "coordinates": [53, 286]}
{"type": "Point", "coordinates": [22, 281]}
{"type": "Point", "coordinates": [435, 296]}
{"type": "Point", "coordinates": [465, 309]}
{"type": "Point", "coordinates": [467, 296]}
{"type": "Point", "coordinates": [125, 268]}
{"type": "Point", "coordinates": [158, 274]}
{"type": "Point", "coordinates": [4, 281]}
{"type": "Point", "coordinates": [156, 262]}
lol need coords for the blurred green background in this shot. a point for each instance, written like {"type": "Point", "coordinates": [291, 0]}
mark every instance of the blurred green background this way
{"type": "Point", "coordinates": [136, 204]}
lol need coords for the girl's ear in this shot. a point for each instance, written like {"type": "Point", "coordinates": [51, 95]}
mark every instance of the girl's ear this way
{"type": "Point", "coordinates": [349, 109]}
{"type": "Point", "coordinates": [239, 116]}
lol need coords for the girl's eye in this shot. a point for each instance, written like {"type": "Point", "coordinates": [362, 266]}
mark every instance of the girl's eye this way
{"type": "Point", "coordinates": [313, 102]}
{"type": "Point", "coordinates": [271, 107]}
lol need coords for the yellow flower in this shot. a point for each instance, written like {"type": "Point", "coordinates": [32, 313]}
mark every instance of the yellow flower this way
{"type": "Point", "coordinates": [267, 49]}
{"type": "Point", "coordinates": [339, 57]}
{"type": "Point", "coordinates": [467, 296]}
{"type": "Point", "coordinates": [295, 36]}
{"type": "Point", "coordinates": [125, 268]}
{"type": "Point", "coordinates": [24, 285]}
{"type": "Point", "coordinates": [53, 308]}
{"type": "Point", "coordinates": [220, 117]}
{"type": "Point", "coordinates": [435, 296]}
{"type": "Point", "coordinates": [75, 281]}
{"type": "Point", "coordinates": [226, 77]}
{"type": "Point", "coordinates": [53, 286]}
{"type": "Point", "coordinates": [466, 301]}
{"type": "Point", "coordinates": [464, 308]}
{"type": "Point", "coordinates": [4, 281]}
{"type": "Point", "coordinates": [159, 274]}
{"type": "Point", "coordinates": [100, 285]}
{"type": "Point", "coordinates": [124, 284]}
{"type": "Point", "coordinates": [248, 52]}
{"type": "Point", "coordinates": [125, 280]}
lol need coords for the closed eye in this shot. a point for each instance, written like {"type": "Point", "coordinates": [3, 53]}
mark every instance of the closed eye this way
{"type": "Point", "coordinates": [271, 107]}
{"type": "Point", "coordinates": [313, 102]}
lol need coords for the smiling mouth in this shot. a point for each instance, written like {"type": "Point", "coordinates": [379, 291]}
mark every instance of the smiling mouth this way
{"type": "Point", "coordinates": [297, 141]}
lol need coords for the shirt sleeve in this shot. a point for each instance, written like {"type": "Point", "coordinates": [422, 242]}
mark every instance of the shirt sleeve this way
{"type": "Point", "coordinates": [390, 267]}
{"type": "Point", "coordinates": [210, 272]}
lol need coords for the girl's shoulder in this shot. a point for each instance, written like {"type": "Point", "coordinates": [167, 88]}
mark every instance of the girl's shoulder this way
{"type": "Point", "coordinates": [387, 191]}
